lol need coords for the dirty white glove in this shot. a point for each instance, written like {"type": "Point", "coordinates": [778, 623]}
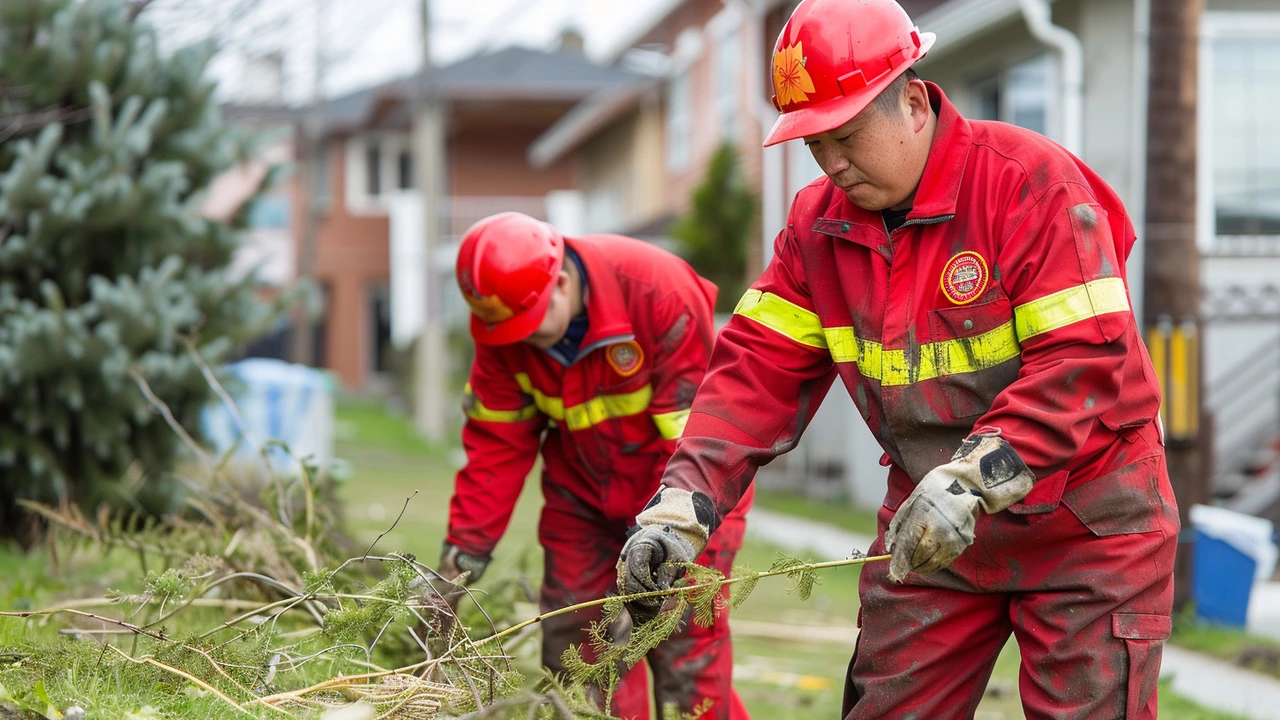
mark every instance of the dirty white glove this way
{"type": "Point", "coordinates": [671, 530]}
{"type": "Point", "coordinates": [935, 524]}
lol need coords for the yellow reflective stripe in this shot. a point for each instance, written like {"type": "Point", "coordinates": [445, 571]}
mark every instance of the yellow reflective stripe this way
{"type": "Point", "coordinates": [477, 411]}
{"type": "Point", "coordinates": [966, 355]}
{"type": "Point", "coordinates": [936, 359]}
{"type": "Point", "coordinates": [592, 412]}
{"type": "Point", "coordinates": [671, 424]}
{"type": "Point", "coordinates": [606, 407]}
{"type": "Point", "coordinates": [847, 347]}
{"type": "Point", "coordinates": [552, 407]}
{"type": "Point", "coordinates": [1072, 305]}
{"type": "Point", "coordinates": [782, 316]}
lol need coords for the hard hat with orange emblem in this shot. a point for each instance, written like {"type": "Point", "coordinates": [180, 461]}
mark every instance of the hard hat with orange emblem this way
{"type": "Point", "coordinates": [834, 57]}
{"type": "Point", "coordinates": [507, 266]}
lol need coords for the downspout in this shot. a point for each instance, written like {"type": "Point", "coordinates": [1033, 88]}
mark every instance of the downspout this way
{"type": "Point", "coordinates": [1040, 22]}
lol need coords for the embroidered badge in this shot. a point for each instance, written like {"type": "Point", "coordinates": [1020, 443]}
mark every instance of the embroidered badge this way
{"type": "Point", "coordinates": [791, 82]}
{"type": "Point", "coordinates": [625, 358]}
{"type": "Point", "coordinates": [965, 277]}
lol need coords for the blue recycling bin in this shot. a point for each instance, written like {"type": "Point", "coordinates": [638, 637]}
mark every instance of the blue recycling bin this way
{"type": "Point", "coordinates": [1223, 580]}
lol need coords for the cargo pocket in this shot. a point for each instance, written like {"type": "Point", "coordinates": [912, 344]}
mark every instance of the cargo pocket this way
{"type": "Point", "coordinates": [1045, 495]}
{"type": "Point", "coordinates": [1143, 637]}
{"type": "Point", "coordinates": [1123, 502]}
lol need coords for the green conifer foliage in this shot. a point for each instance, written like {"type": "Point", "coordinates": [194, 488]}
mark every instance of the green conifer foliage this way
{"type": "Point", "coordinates": [715, 232]}
{"type": "Point", "coordinates": [106, 149]}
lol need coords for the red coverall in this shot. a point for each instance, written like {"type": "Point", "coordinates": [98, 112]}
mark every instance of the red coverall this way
{"type": "Point", "coordinates": [1000, 304]}
{"type": "Point", "coordinates": [610, 422]}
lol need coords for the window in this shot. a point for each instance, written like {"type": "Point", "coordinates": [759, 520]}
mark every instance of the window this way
{"type": "Point", "coordinates": [373, 169]}
{"type": "Point", "coordinates": [728, 83]}
{"type": "Point", "coordinates": [1017, 95]}
{"type": "Point", "coordinates": [379, 298]}
{"type": "Point", "coordinates": [680, 126]}
{"type": "Point", "coordinates": [1239, 100]}
{"type": "Point", "coordinates": [405, 170]}
{"type": "Point", "coordinates": [378, 164]}
{"type": "Point", "coordinates": [679, 120]}
{"type": "Point", "coordinates": [605, 210]}
{"type": "Point", "coordinates": [1027, 97]}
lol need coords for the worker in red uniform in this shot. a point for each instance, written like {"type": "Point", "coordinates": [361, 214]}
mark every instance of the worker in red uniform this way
{"type": "Point", "coordinates": [592, 348]}
{"type": "Point", "coordinates": [965, 281]}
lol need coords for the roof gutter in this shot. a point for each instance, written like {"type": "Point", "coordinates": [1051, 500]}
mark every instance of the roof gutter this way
{"type": "Point", "coordinates": [958, 21]}
{"type": "Point", "coordinates": [1071, 51]}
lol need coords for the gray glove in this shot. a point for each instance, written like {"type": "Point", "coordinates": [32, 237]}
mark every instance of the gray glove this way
{"type": "Point", "coordinates": [671, 530]}
{"type": "Point", "coordinates": [935, 524]}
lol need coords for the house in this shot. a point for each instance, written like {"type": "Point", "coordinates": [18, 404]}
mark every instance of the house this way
{"type": "Point", "coordinates": [269, 249]}
{"type": "Point", "coordinates": [640, 148]}
{"type": "Point", "coordinates": [368, 252]}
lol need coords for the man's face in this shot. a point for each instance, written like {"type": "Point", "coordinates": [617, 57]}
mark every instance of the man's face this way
{"type": "Point", "coordinates": [877, 158]}
{"type": "Point", "coordinates": [556, 322]}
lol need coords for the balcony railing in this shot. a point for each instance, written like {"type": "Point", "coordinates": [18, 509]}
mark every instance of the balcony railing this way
{"type": "Point", "coordinates": [1245, 246]}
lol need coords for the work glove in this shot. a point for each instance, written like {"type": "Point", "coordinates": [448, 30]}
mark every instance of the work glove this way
{"type": "Point", "coordinates": [935, 524]}
{"type": "Point", "coordinates": [454, 562]}
{"type": "Point", "coordinates": [671, 530]}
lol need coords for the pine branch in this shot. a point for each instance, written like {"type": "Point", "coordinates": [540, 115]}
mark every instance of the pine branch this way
{"type": "Point", "coordinates": [182, 673]}
{"type": "Point", "coordinates": [17, 124]}
{"type": "Point", "coordinates": [756, 577]}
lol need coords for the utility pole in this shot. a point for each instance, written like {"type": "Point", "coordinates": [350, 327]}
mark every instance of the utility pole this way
{"type": "Point", "coordinates": [430, 359]}
{"type": "Point", "coordinates": [1171, 294]}
{"type": "Point", "coordinates": [310, 157]}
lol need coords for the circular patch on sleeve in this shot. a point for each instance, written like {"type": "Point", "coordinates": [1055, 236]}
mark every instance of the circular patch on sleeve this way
{"type": "Point", "coordinates": [965, 277]}
{"type": "Point", "coordinates": [625, 357]}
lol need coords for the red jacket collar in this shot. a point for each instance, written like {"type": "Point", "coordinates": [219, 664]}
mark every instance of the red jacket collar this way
{"type": "Point", "coordinates": [608, 318]}
{"type": "Point", "coordinates": [940, 185]}
{"type": "Point", "coordinates": [939, 188]}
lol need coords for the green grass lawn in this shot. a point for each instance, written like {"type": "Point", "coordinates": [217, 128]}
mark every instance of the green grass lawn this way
{"type": "Point", "coordinates": [778, 677]}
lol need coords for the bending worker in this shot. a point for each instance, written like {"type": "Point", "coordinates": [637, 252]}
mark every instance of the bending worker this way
{"type": "Point", "coordinates": [965, 281]}
{"type": "Point", "coordinates": [592, 348]}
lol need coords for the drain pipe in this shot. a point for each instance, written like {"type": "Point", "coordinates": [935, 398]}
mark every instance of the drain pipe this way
{"type": "Point", "coordinates": [1071, 51]}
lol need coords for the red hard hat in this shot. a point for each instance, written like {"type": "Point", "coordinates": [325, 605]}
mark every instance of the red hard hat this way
{"type": "Point", "coordinates": [507, 265]}
{"type": "Point", "coordinates": [834, 57]}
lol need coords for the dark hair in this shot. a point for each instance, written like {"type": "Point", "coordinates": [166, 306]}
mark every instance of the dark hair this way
{"type": "Point", "coordinates": [887, 101]}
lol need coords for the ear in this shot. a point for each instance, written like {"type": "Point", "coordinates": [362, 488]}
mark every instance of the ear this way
{"type": "Point", "coordinates": [562, 280]}
{"type": "Point", "coordinates": [916, 98]}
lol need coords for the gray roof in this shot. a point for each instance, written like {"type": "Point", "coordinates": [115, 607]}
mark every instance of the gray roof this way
{"type": "Point", "coordinates": [521, 72]}
{"type": "Point", "coordinates": [508, 74]}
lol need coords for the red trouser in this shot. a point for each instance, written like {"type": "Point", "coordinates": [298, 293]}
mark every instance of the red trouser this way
{"type": "Point", "coordinates": [1086, 588]}
{"type": "Point", "coordinates": [693, 666]}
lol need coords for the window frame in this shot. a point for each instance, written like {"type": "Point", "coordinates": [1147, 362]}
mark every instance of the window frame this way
{"type": "Point", "coordinates": [1000, 79]}
{"type": "Point", "coordinates": [1217, 25]}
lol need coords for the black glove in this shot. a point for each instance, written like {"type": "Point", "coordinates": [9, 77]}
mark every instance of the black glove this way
{"type": "Point", "coordinates": [454, 562]}
{"type": "Point", "coordinates": [671, 530]}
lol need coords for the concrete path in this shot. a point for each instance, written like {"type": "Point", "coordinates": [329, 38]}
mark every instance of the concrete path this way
{"type": "Point", "coordinates": [1207, 681]}
{"type": "Point", "coordinates": [1264, 610]}
{"type": "Point", "coordinates": [802, 536]}
{"type": "Point", "coordinates": [1221, 686]}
